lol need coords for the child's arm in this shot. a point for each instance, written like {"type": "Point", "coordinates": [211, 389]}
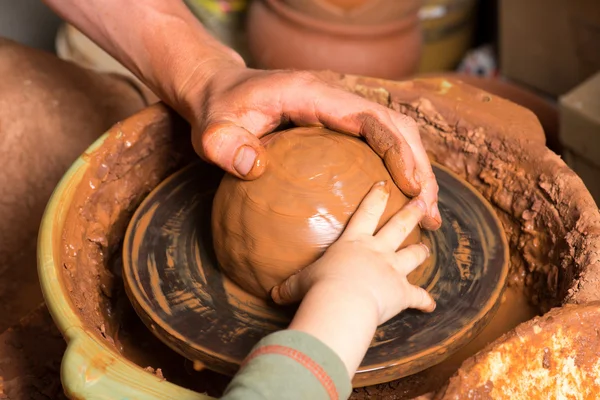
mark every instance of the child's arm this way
{"type": "Point", "coordinates": [359, 283]}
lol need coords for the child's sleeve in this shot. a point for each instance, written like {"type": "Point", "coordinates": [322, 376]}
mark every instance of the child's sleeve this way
{"type": "Point", "coordinates": [290, 365]}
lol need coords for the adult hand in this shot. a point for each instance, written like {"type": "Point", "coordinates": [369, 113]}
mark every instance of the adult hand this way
{"type": "Point", "coordinates": [233, 106]}
{"type": "Point", "coordinates": [365, 265]}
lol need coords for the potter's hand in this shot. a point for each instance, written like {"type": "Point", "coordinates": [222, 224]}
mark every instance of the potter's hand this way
{"type": "Point", "coordinates": [231, 106]}
{"type": "Point", "coordinates": [360, 282]}
{"type": "Point", "coordinates": [237, 106]}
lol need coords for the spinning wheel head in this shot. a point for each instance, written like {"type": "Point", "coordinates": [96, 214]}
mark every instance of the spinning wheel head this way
{"type": "Point", "coordinates": [176, 286]}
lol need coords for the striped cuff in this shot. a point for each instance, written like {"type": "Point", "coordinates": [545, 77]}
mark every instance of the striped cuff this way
{"type": "Point", "coordinates": [291, 365]}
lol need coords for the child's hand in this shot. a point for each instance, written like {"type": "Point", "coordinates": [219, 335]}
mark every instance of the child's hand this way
{"type": "Point", "coordinates": [367, 265]}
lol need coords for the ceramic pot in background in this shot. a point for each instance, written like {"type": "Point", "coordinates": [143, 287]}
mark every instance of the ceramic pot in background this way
{"type": "Point", "coordinates": [280, 37]}
{"type": "Point", "coordinates": [356, 12]}
{"type": "Point", "coordinates": [448, 27]}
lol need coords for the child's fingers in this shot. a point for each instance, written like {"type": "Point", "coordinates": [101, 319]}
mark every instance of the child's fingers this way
{"type": "Point", "coordinates": [366, 218]}
{"type": "Point", "coordinates": [289, 291]}
{"type": "Point", "coordinates": [410, 257]}
{"type": "Point", "coordinates": [420, 299]}
{"type": "Point", "coordinates": [397, 229]}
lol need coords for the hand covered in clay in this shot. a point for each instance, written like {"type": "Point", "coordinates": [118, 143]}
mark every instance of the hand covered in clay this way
{"type": "Point", "coordinates": [361, 280]}
{"type": "Point", "coordinates": [236, 106]}
{"type": "Point", "coordinates": [366, 264]}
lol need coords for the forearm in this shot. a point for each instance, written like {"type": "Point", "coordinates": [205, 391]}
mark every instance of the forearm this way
{"type": "Point", "coordinates": [316, 357]}
{"type": "Point", "coordinates": [290, 365]}
{"type": "Point", "coordinates": [341, 320]}
{"type": "Point", "coordinates": [160, 41]}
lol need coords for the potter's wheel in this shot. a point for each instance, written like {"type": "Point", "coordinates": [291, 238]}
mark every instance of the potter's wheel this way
{"type": "Point", "coordinates": [173, 280]}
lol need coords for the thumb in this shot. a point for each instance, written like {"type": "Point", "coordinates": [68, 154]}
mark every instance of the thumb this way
{"type": "Point", "coordinates": [420, 299]}
{"type": "Point", "coordinates": [289, 291]}
{"type": "Point", "coordinates": [232, 148]}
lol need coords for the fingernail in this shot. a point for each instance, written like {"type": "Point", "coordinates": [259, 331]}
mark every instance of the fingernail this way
{"type": "Point", "coordinates": [435, 213]}
{"type": "Point", "coordinates": [434, 306]}
{"type": "Point", "coordinates": [383, 185]}
{"type": "Point", "coordinates": [275, 295]}
{"type": "Point", "coordinates": [419, 203]}
{"type": "Point", "coordinates": [426, 249]}
{"type": "Point", "coordinates": [244, 160]}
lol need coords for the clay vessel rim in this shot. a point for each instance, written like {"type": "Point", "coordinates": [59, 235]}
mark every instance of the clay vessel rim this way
{"type": "Point", "coordinates": [336, 28]}
{"type": "Point", "coordinates": [338, 11]}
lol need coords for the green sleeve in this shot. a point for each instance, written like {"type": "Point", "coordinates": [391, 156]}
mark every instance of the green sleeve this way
{"type": "Point", "coordinates": [290, 365]}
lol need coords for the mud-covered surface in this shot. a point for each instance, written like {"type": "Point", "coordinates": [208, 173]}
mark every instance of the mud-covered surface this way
{"type": "Point", "coordinates": [550, 219]}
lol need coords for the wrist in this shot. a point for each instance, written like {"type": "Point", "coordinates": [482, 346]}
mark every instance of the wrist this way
{"type": "Point", "coordinates": [338, 317]}
{"type": "Point", "coordinates": [194, 87]}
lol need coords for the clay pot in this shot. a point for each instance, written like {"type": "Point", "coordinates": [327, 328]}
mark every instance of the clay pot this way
{"type": "Point", "coordinates": [360, 12]}
{"type": "Point", "coordinates": [280, 37]}
{"type": "Point", "coordinates": [313, 183]}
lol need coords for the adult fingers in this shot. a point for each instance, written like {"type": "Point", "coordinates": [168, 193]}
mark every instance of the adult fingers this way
{"type": "Point", "coordinates": [391, 145]}
{"type": "Point", "coordinates": [317, 102]}
{"type": "Point", "coordinates": [419, 299]}
{"type": "Point", "coordinates": [397, 229]}
{"type": "Point", "coordinates": [410, 257]}
{"type": "Point", "coordinates": [366, 217]}
{"type": "Point", "coordinates": [232, 148]}
{"type": "Point", "coordinates": [425, 176]}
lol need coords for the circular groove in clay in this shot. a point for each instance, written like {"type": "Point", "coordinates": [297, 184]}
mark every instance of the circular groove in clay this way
{"type": "Point", "coordinates": [176, 287]}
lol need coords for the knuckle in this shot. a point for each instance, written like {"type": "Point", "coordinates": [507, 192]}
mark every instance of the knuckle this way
{"type": "Point", "coordinates": [370, 212]}
{"type": "Point", "coordinates": [406, 122]}
{"type": "Point", "coordinates": [208, 139]}
{"type": "Point", "coordinates": [285, 289]}
{"type": "Point", "coordinates": [304, 78]}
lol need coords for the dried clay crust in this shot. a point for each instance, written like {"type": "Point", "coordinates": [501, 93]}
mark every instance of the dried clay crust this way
{"type": "Point", "coordinates": [550, 219]}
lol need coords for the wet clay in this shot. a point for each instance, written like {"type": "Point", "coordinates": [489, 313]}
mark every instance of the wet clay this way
{"type": "Point", "coordinates": [550, 219]}
{"type": "Point", "coordinates": [267, 229]}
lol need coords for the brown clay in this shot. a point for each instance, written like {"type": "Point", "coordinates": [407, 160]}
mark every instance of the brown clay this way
{"type": "Point", "coordinates": [356, 12]}
{"type": "Point", "coordinates": [280, 37]}
{"type": "Point", "coordinates": [267, 229]}
{"type": "Point", "coordinates": [550, 219]}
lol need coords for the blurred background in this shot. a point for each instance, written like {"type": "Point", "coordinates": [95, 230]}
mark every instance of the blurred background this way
{"type": "Point", "coordinates": [542, 54]}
